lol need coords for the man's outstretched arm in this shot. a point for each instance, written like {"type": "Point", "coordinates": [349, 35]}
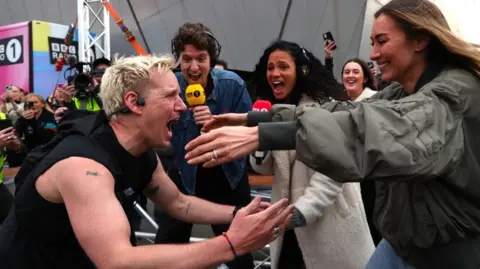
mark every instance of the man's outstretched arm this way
{"type": "Point", "coordinates": [102, 228]}
{"type": "Point", "coordinates": [163, 192]}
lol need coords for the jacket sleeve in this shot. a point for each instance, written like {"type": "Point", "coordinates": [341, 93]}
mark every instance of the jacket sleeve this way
{"type": "Point", "coordinates": [414, 138]}
{"type": "Point", "coordinates": [280, 134]}
{"type": "Point", "coordinates": [329, 65]}
{"type": "Point", "coordinates": [266, 165]}
{"type": "Point", "coordinates": [320, 194]}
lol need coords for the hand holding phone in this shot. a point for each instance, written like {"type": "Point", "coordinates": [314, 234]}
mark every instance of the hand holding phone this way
{"type": "Point", "coordinates": [7, 135]}
{"type": "Point", "coordinates": [328, 36]}
{"type": "Point", "coordinates": [28, 114]}
{"type": "Point", "coordinates": [28, 105]}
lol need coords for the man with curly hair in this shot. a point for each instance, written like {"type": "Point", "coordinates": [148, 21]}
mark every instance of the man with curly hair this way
{"type": "Point", "coordinates": [197, 49]}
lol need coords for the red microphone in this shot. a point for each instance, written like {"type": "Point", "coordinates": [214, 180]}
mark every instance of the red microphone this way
{"type": "Point", "coordinates": [262, 105]}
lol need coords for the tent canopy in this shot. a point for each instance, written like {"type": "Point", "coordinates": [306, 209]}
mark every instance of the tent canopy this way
{"type": "Point", "coordinates": [245, 27]}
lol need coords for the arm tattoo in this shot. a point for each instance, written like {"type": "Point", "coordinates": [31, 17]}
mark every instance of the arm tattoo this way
{"type": "Point", "coordinates": [91, 173]}
{"type": "Point", "coordinates": [188, 208]}
{"type": "Point", "coordinates": [151, 191]}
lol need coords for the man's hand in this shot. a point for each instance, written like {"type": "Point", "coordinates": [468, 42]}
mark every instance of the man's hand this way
{"type": "Point", "coordinates": [7, 136]}
{"type": "Point", "coordinates": [329, 49]}
{"type": "Point", "coordinates": [229, 119]}
{"type": "Point", "coordinates": [59, 113]}
{"type": "Point", "coordinates": [28, 114]}
{"type": "Point", "coordinates": [201, 114]}
{"type": "Point", "coordinates": [251, 230]}
{"type": "Point", "coordinates": [229, 143]}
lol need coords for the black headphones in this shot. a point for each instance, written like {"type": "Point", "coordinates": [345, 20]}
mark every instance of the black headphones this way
{"type": "Point", "coordinates": [140, 102]}
{"type": "Point", "coordinates": [213, 59]}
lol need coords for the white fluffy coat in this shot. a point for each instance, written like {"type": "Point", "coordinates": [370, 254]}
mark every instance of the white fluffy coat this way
{"type": "Point", "coordinates": [336, 235]}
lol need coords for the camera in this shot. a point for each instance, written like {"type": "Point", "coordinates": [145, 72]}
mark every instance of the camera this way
{"type": "Point", "coordinates": [81, 82]}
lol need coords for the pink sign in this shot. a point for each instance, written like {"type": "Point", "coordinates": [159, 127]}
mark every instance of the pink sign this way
{"type": "Point", "coordinates": [15, 56]}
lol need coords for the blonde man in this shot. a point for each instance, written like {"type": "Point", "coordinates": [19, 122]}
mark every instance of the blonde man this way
{"type": "Point", "coordinates": [71, 208]}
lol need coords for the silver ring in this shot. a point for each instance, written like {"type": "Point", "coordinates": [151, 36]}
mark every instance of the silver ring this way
{"type": "Point", "coordinates": [214, 156]}
{"type": "Point", "coordinates": [276, 230]}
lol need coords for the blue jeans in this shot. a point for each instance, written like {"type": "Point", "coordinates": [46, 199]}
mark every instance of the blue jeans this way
{"type": "Point", "coordinates": [385, 257]}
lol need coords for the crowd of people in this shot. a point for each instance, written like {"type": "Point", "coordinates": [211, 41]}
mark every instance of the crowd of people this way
{"type": "Point", "coordinates": [377, 171]}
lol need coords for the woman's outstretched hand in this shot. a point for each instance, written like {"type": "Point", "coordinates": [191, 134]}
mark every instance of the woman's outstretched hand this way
{"type": "Point", "coordinates": [222, 145]}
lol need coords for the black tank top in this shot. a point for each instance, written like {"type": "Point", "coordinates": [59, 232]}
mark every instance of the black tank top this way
{"type": "Point", "coordinates": [38, 234]}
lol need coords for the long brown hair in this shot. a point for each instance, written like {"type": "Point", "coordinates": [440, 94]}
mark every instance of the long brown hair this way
{"type": "Point", "coordinates": [422, 17]}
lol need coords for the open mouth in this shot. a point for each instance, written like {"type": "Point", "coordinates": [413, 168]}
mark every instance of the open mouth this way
{"type": "Point", "coordinates": [170, 124]}
{"type": "Point", "coordinates": [381, 67]}
{"type": "Point", "coordinates": [351, 81]}
{"type": "Point", "coordinates": [278, 85]}
{"type": "Point", "coordinates": [194, 77]}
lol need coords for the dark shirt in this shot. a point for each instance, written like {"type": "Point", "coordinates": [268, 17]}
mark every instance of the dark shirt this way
{"type": "Point", "coordinates": [38, 234]}
{"type": "Point", "coordinates": [36, 132]}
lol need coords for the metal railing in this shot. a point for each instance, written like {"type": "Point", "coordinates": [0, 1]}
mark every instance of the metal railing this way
{"type": "Point", "coordinates": [151, 236]}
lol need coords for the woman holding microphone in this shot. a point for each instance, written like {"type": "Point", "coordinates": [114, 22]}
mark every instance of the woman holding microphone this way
{"type": "Point", "coordinates": [418, 139]}
{"type": "Point", "coordinates": [327, 213]}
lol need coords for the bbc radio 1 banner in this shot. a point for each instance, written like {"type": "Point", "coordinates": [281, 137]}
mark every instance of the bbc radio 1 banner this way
{"type": "Point", "coordinates": [47, 46]}
{"type": "Point", "coordinates": [14, 56]}
{"type": "Point", "coordinates": [28, 52]}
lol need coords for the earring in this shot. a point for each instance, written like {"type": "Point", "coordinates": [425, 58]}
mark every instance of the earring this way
{"type": "Point", "coordinates": [305, 70]}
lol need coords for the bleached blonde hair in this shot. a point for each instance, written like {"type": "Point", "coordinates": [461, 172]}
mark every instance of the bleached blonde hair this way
{"type": "Point", "coordinates": [130, 74]}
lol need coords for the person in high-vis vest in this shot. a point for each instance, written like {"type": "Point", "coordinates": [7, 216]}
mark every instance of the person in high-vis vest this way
{"type": "Point", "coordinates": [9, 143]}
{"type": "Point", "coordinates": [90, 103]}
{"type": "Point", "coordinates": [89, 100]}
{"type": "Point", "coordinates": [84, 99]}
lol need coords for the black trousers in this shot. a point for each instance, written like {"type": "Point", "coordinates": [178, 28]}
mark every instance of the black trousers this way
{"type": "Point", "coordinates": [213, 186]}
{"type": "Point", "coordinates": [6, 201]}
{"type": "Point", "coordinates": [291, 256]}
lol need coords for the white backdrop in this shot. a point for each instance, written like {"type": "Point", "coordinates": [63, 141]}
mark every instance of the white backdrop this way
{"type": "Point", "coordinates": [463, 16]}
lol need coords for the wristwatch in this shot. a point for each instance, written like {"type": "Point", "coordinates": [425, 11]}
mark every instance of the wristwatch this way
{"type": "Point", "coordinates": [236, 210]}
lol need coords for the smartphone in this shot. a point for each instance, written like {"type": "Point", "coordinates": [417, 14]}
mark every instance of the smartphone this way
{"type": "Point", "coordinates": [328, 36]}
{"type": "Point", "coordinates": [371, 65]}
{"type": "Point", "coordinates": [4, 124]}
{"type": "Point", "coordinates": [28, 105]}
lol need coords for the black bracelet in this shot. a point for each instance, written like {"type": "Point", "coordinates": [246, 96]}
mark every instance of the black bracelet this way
{"type": "Point", "coordinates": [236, 210]}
